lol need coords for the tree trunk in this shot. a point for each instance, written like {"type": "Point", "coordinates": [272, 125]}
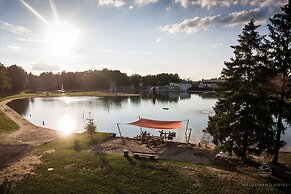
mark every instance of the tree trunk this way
{"type": "Point", "coordinates": [279, 131]}
{"type": "Point", "coordinates": [278, 139]}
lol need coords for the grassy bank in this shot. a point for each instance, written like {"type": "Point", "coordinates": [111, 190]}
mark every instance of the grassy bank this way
{"type": "Point", "coordinates": [20, 95]}
{"type": "Point", "coordinates": [76, 169]}
{"type": "Point", "coordinates": [6, 124]}
{"type": "Point", "coordinates": [58, 94]}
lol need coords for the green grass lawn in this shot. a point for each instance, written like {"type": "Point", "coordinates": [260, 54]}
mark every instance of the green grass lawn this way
{"type": "Point", "coordinates": [6, 124]}
{"type": "Point", "coordinates": [79, 170]}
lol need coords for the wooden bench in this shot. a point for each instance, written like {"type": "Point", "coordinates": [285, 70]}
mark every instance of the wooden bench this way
{"type": "Point", "coordinates": [145, 155]}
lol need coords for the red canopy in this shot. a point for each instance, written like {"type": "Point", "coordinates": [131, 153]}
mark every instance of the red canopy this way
{"type": "Point", "coordinates": [155, 124]}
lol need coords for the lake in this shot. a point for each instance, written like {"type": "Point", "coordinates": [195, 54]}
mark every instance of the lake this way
{"type": "Point", "coordinates": [69, 114]}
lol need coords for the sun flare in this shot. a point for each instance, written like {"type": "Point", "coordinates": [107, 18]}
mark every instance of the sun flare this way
{"type": "Point", "coordinates": [61, 36]}
{"type": "Point", "coordinates": [67, 125]}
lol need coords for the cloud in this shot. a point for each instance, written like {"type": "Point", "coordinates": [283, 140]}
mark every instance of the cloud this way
{"type": "Point", "coordinates": [30, 40]}
{"type": "Point", "coordinates": [227, 3]}
{"type": "Point", "coordinates": [268, 3]}
{"type": "Point", "coordinates": [184, 3]}
{"type": "Point", "coordinates": [191, 25]}
{"type": "Point", "coordinates": [19, 30]}
{"type": "Point", "coordinates": [115, 3]}
{"type": "Point", "coordinates": [217, 44]}
{"type": "Point", "coordinates": [44, 67]}
{"type": "Point", "coordinates": [108, 51]}
{"type": "Point", "coordinates": [158, 40]}
{"type": "Point", "coordinates": [146, 2]}
{"type": "Point", "coordinates": [230, 20]}
{"type": "Point", "coordinates": [13, 47]}
{"type": "Point", "coordinates": [243, 17]}
{"type": "Point", "coordinates": [210, 3]}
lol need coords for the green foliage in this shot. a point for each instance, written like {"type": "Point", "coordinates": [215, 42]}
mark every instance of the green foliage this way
{"type": "Point", "coordinates": [279, 47]}
{"type": "Point", "coordinates": [6, 124]}
{"type": "Point", "coordinates": [5, 81]}
{"type": "Point", "coordinates": [14, 79]}
{"type": "Point", "coordinates": [18, 78]}
{"type": "Point", "coordinates": [90, 127]}
{"type": "Point", "coordinates": [242, 122]}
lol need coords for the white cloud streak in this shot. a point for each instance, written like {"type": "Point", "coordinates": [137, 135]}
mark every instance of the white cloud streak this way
{"type": "Point", "coordinates": [227, 3]}
{"type": "Point", "coordinates": [146, 2]}
{"type": "Point", "coordinates": [109, 51]}
{"type": "Point", "coordinates": [19, 30]}
{"type": "Point", "coordinates": [217, 44]}
{"type": "Point", "coordinates": [13, 47]}
{"type": "Point", "coordinates": [191, 25]}
{"type": "Point", "coordinates": [115, 3]}
{"type": "Point", "coordinates": [30, 40]}
{"type": "Point", "coordinates": [230, 20]}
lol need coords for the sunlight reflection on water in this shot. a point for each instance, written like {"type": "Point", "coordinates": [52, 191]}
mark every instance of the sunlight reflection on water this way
{"type": "Point", "coordinates": [67, 125]}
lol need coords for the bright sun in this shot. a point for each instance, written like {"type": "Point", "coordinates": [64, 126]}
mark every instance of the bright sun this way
{"type": "Point", "coordinates": [61, 36]}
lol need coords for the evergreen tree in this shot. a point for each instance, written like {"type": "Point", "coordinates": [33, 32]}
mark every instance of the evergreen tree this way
{"type": "Point", "coordinates": [280, 67]}
{"type": "Point", "coordinates": [242, 122]}
{"type": "Point", "coordinates": [5, 81]}
{"type": "Point", "coordinates": [18, 78]}
{"type": "Point", "coordinates": [90, 127]}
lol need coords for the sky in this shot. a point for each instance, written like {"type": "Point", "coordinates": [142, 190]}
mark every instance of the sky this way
{"type": "Point", "coordinates": [188, 37]}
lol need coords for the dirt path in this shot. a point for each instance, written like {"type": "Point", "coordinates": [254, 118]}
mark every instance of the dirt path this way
{"type": "Point", "coordinates": [27, 133]}
{"type": "Point", "coordinates": [16, 160]}
{"type": "Point", "coordinates": [173, 151]}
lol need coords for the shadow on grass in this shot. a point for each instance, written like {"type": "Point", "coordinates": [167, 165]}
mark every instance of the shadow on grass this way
{"type": "Point", "coordinates": [104, 163]}
{"type": "Point", "coordinates": [280, 175]}
{"type": "Point", "coordinates": [10, 153]}
{"type": "Point", "coordinates": [130, 160]}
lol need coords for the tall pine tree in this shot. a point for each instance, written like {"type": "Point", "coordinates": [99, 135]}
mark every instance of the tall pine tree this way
{"type": "Point", "coordinates": [242, 122]}
{"type": "Point", "coordinates": [280, 67]}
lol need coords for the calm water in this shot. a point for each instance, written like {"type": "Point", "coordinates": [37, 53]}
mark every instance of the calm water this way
{"type": "Point", "coordinates": [68, 114]}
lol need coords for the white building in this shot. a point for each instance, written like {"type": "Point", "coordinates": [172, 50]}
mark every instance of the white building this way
{"type": "Point", "coordinates": [179, 86]}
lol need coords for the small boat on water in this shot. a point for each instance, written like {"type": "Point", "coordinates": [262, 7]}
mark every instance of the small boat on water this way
{"type": "Point", "coordinates": [165, 108]}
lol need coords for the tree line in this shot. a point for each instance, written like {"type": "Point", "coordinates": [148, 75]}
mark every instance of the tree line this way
{"type": "Point", "coordinates": [14, 79]}
{"type": "Point", "coordinates": [255, 108]}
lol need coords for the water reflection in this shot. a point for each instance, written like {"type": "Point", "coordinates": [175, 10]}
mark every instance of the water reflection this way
{"type": "Point", "coordinates": [20, 105]}
{"type": "Point", "coordinates": [68, 114]}
{"type": "Point", "coordinates": [66, 125]}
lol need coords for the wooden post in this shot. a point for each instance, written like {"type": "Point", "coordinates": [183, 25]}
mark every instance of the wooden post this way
{"type": "Point", "coordinates": [119, 130]}
{"type": "Point", "coordinates": [140, 128]}
{"type": "Point", "coordinates": [120, 133]}
{"type": "Point", "coordinates": [186, 130]}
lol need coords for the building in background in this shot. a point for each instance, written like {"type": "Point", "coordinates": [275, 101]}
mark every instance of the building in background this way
{"type": "Point", "coordinates": [210, 83]}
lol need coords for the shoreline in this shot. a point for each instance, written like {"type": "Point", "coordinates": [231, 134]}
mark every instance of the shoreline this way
{"type": "Point", "coordinates": [16, 145]}
{"type": "Point", "coordinates": [28, 133]}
